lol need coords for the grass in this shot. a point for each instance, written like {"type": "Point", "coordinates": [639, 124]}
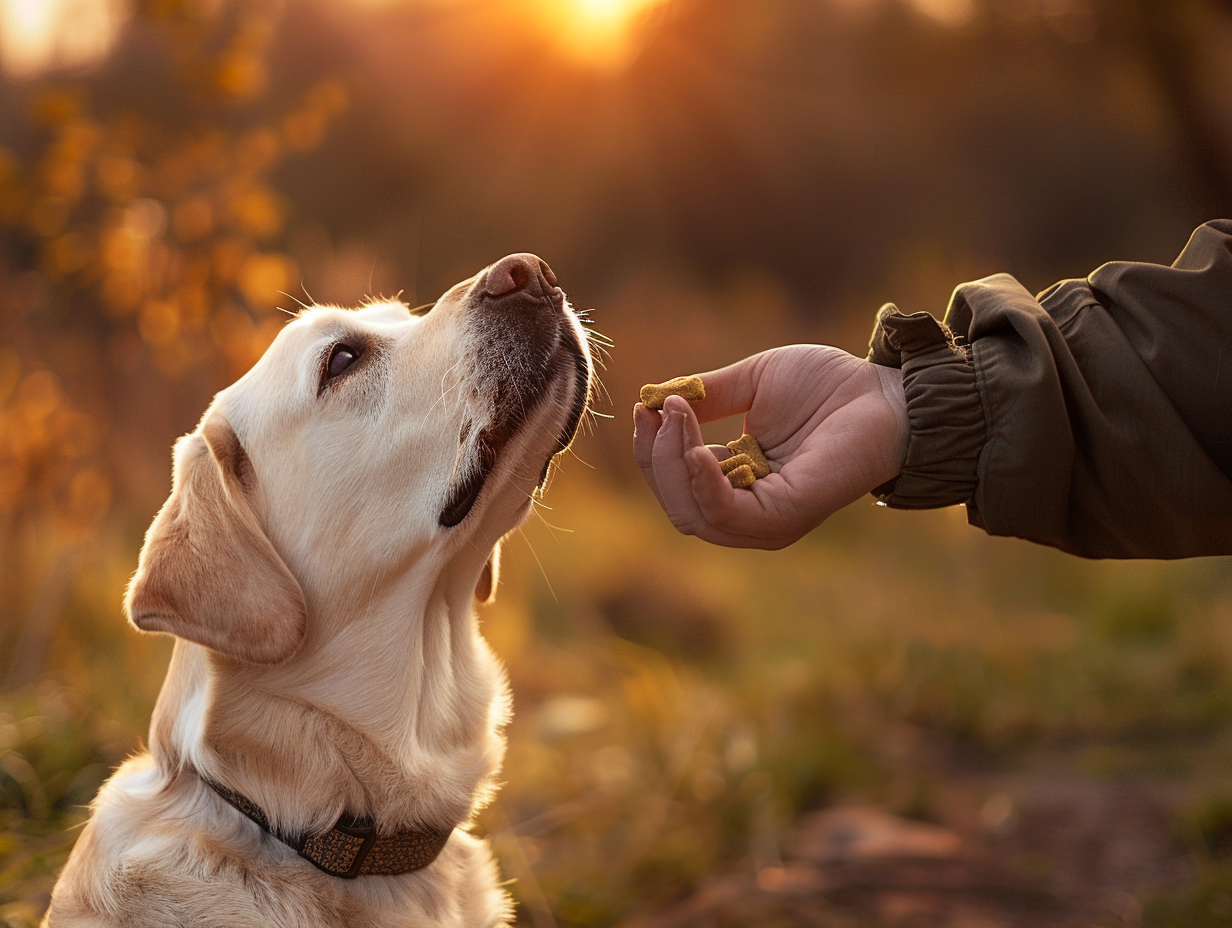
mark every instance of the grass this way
{"type": "Point", "coordinates": [679, 706]}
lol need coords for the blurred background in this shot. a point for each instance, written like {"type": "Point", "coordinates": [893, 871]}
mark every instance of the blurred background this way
{"type": "Point", "coordinates": [897, 721]}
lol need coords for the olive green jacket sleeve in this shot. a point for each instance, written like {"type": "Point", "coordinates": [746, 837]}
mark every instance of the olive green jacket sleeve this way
{"type": "Point", "coordinates": [1095, 417]}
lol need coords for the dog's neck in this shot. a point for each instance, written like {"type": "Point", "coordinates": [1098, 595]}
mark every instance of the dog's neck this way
{"type": "Point", "coordinates": [394, 715]}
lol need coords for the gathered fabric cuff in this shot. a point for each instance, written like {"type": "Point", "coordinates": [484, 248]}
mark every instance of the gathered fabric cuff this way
{"type": "Point", "coordinates": [943, 407]}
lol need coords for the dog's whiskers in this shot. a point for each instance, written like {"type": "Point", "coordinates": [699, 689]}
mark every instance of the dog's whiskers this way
{"type": "Point", "coordinates": [599, 341]}
{"type": "Point", "coordinates": [445, 391]}
{"type": "Point", "coordinates": [291, 296]}
{"type": "Point", "coordinates": [553, 528]}
{"type": "Point", "coordinates": [573, 454]}
{"type": "Point", "coordinates": [535, 555]}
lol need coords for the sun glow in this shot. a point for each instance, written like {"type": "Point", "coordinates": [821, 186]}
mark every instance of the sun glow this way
{"type": "Point", "coordinates": [601, 33]}
{"type": "Point", "coordinates": [38, 35]}
{"type": "Point", "coordinates": [604, 35]}
{"type": "Point", "coordinates": [606, 10]}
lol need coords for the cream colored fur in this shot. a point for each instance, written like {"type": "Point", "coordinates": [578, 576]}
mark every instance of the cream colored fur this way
{"type": "Point", "coordinates": [327, 657]}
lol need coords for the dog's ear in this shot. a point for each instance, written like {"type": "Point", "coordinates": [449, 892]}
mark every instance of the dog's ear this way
{"type": "Point", "coordinates": [207, 571]}
{"type": "Point", "coordinates": [485, 589]}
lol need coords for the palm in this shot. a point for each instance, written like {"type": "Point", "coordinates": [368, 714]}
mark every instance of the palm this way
{"type": "Point", "coordinates": [830, 425]}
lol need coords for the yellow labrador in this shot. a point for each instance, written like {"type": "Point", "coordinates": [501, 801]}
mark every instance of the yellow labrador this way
{"type": "Point", "coordinates": [331, 719]}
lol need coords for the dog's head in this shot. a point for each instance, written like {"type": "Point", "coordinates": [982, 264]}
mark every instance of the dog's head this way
{"type": "Point", "coordinates": [364, 443]}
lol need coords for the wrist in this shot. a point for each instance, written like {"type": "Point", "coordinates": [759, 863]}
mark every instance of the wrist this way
{"type": "Point", "coordinates": [892, 389]}
{"type": "Point", "coordinates": [945, 418]}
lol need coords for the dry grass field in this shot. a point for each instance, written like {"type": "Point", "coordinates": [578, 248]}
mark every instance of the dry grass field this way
{"type": "Point", "coordinates": [898, 722]}
{"type": "Point", "coordinates": [682, 710]}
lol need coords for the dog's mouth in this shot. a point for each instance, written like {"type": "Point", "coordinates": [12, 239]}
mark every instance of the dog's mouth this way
{"type": "Point", "coordinates": [465, 494]}
{"type": "Point", "coordinates": [546, 347]}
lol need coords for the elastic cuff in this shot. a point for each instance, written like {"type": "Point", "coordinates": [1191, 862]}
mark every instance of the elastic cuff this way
{"type": "Point", "coordinates": [943, 407]}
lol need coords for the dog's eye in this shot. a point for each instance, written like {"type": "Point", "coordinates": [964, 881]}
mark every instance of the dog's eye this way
{"type": "Point", "coordinates": [340, 358]}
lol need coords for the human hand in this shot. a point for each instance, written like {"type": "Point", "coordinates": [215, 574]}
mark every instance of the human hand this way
{"type": "Point", "coordinates": [832, 426]}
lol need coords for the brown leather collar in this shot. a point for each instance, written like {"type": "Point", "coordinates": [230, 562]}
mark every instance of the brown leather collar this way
{"type": "Point", "coordinates": [352, 847]}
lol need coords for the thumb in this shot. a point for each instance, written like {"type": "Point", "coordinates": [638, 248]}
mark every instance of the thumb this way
{"type": "Point", "coordinates": [730, 390]}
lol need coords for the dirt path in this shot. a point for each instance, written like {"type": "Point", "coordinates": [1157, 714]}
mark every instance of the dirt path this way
{"type": "Point", "coordinates": [1057, 852]}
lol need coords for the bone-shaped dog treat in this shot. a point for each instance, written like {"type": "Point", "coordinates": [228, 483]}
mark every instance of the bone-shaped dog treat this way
{"type": "Point", "coordinates": [739, 470]}
{"type": "Point", "coordinates": [741, 477]}
{"type": "Point", "coordinates": [747, 444]}
{"type": "Point", "coordinates": [736, 460]}
{"type": "Point", "coordinates": [689, 388]}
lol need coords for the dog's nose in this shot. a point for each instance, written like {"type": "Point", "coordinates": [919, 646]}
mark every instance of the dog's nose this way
{"type": "Point", "coordinates": [517, 272]}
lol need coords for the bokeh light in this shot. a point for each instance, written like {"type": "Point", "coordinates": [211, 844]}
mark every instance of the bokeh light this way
{"type": "Point", "coordinates": [37, 35]}
{"type": "Point", "coordinates": [599, 34]}
{"type": "Point", "coordinates": [708, 178]}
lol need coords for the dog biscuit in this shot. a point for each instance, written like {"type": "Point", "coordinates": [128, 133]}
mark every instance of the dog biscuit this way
{"type": "Point", "coordinates": [747, 444]}
{"type": "Point", "coordinates": [689, 388]}
{"type": "Point", "coordinates": [741, 477]}
{"type": "Point", "coordinates": [739, 470]}
{"type": "Point", "coordinates": [730, 464]}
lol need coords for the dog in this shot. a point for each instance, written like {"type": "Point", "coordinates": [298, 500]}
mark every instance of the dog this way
{"type": "Point", "coordinates": [331, 719]}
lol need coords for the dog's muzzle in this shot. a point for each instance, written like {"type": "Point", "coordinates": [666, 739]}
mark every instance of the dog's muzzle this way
{"type": "Point", "coordinates": [526, 341]}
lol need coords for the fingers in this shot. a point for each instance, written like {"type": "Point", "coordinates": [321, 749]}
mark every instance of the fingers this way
{"type": "Point", "coordinates": [718, 502]}
{"type": "Point", "coordinates": [755, 515]}
{"type": "Point", "coordinates": [712, 499]}
{"type": "Point", "coordinates": [678, 433]}
{"type": "Point", "coordinates": [646, 423]}
{"type": "Point", "coordinates": [696, 495]}
{"type": "Point", "coordinates": [826, 419]}
{"type": "Point", "coordinates": [730, 390]}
